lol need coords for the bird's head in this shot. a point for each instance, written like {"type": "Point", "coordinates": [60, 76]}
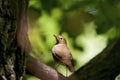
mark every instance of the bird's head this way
{"type": "Point", "coordinates": [60, 39]}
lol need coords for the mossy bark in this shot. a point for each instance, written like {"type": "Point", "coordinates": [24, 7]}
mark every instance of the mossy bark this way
{"type": "Point", "coordinates": [12, 56]}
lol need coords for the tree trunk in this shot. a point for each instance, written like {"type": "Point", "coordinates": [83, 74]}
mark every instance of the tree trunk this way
{"type": "Point", "coordinates": [13, 34]}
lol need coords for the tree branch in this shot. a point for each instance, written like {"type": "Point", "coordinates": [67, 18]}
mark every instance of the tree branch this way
{"type": "Point", "coordinates": [105, 66]}
{"type": "Point", "coordinates": [42, 71]}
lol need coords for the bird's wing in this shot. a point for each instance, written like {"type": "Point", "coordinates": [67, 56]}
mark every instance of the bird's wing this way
{"type": "Point", "coordinates": [61, 53]}
{"type": "Point", "coordinates": [56, 54]}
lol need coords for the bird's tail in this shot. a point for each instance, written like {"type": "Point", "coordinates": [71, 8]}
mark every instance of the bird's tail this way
{"type": "Point", "coordinates": [71, 68]}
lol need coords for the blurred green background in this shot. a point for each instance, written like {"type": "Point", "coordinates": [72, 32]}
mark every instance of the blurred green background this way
{"type": "Point", "coordinates": [88, 25]}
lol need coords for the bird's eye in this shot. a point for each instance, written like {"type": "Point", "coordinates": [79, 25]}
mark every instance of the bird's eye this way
{"type": "Point", "coordinates": [61, 38]}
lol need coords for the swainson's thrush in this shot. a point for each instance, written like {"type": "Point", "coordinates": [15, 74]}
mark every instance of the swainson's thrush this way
{"type": "Point", "coordinates": [62, 54]}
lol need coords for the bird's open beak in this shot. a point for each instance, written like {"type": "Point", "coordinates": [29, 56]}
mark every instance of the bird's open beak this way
{"type": "Point", "coordinates": [55, 36]}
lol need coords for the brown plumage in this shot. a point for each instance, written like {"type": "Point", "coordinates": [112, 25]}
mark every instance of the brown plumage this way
{"type": "Point", "coordinates": [62, 54]}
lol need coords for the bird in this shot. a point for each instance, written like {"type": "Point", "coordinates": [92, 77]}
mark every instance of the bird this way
{"type": "Point", "coordinates": [62, 54]}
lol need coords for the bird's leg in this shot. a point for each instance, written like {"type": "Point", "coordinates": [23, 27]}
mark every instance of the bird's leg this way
{"type": "Point", "coordinates": [66, 71]}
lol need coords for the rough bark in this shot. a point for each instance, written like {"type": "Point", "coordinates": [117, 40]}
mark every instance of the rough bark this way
{"type": "Point", "coordinates": [12, 54]}
{"type": "Point", "coordinates": [105, 66]}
